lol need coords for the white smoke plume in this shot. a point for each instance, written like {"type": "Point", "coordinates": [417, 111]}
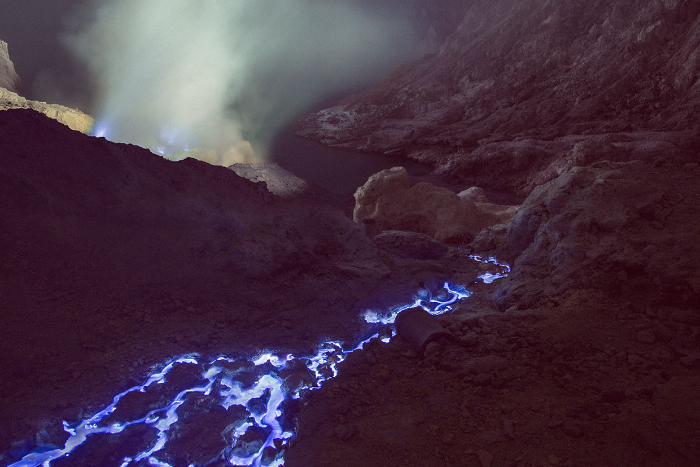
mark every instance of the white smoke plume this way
{"type": "Point", "coordinates": [212, 76]}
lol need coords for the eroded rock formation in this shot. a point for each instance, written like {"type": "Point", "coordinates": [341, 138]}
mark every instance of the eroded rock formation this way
{"type": "Point", "coordinates": [8, 76]}
{"type": "Point", "coordinates": [72, 118]}
{"type": "Point", "coordinates": [517, 90]}
{"type": "Point", "coordinates": [279, 181]}
{"type": "Point", "coordinates": [624, 228]}
{"type": "Point", "coordinates": [9, 99]}
{"type": "Point", "coordinates": [388, 202]}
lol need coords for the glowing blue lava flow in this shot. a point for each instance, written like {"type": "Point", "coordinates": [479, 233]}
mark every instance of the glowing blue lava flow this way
{"type": "Point", "coordinates": [271, 375]}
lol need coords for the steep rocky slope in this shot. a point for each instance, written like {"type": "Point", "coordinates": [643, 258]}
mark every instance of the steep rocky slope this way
{"type": "Point", "coordinates": [523, 89]}
{"type": "Point", "coordinates": [629, 229]}
{"type": "Point", "coordinates": [113, 259]}
{"type": "Point", "coordinates": [72, 118]}
{"type": "Point", "coordinates": [8, 76]}
{"type": "Point", "coordinates": [588, 354]}
{"type": "Point", "coordinates": [9, 99]}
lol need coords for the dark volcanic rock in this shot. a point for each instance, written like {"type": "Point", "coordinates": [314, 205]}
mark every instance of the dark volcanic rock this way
{"type": "Point", "coordinates": [113, 259]}
{"type": "Point", "coordinates": [624, 228]}
{"type": "Point", "coordinates": [409, 245]}
{"type": "Point", "coordinates": [525, 90]}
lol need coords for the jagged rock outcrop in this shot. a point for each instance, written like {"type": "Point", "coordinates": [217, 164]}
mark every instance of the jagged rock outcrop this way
{"type": "Point", "coordinates": [72, 118]}
{"type": "Point", "coordinates": [279, 181]}
{"type": "Point", "coordinates": [9, 99]}
{"type": "Point", "coordinates": [521, 83]}
{"type": "Point", "coordinates": [628, 229]}
{"type": "Point", "coordinates": [388, 202]}
{"type": "Point", "coordinates": [8, 76]}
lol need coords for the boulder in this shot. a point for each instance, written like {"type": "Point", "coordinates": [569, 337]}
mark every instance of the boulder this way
{"type": "Point", "coordinates": [393, 204]}
{"type": "Point", "coordinates": [8, 76]}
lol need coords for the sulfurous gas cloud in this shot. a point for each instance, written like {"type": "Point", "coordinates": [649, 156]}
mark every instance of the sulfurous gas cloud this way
{"type": "Point", "coordinates": [217, 78]}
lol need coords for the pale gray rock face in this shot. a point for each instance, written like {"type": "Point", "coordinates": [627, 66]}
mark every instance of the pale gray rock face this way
{"type": "Point", "coordinates": [391, 203]}
{"type": "Point", "coordinates": [625, 228]}
{"type": "Point", "coordinates": [8, 76]}
{"type": "Point", "coordinates": [72, 118]}
{"type": "Point", "coordinates": [279, 181]}
{"type": "Point", "coordinates": [10, 99]}
{"type": "Point", "coordinates": [475, 194]}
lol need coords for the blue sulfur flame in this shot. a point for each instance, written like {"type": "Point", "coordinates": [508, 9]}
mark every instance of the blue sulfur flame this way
{"type": "Point", "coordinates": [169, 143]}
{"type": "Point", "coordinates": [489, 277]}
{"type": "Point", "coordinates": [269, 383]}
{"type": "Point", "coordinates": [100, 130]}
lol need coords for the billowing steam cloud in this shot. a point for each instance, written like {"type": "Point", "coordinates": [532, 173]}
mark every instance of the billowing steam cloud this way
{"type": "Point", "coordinates": [209, 76]}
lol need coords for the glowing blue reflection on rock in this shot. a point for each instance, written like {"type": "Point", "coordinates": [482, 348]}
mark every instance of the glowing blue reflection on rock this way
{"type": "Point", "coordinates": [489, 277]}
{"type": "Point", "coordinates": [435, 305]}
{"type": "Point", "coordinates": [225, 385]}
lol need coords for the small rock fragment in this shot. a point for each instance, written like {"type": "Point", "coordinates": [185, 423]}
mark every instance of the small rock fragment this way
{"type": "Point", "coordinates": [572, 430]}
{"type": "Point", "coordinates": [613, 397]}
{"type": "Point", "coordinates": [482, 379]}
{"type": "Point", "coordinates": [646, 337]}
{"type": "Point", "coordinates": [433, 348]}
{"type": "Point", "coordinates": [634, 359]}
{"type": "Point", "coordinates": [690, 361]}
{"type": "Point", "coordinates": [650, 250]}
{"type": "Point", "coordinates": [485, 457]}
{"type": "Point", "coordinates": [344, 432]}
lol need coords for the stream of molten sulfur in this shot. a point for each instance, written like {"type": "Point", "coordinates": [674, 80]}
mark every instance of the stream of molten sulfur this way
{"type": "Point", "coordinates": [256, 393]}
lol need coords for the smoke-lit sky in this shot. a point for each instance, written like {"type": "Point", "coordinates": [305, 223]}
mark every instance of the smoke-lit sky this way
{"type": "Point", "coordinates": [209, 74]}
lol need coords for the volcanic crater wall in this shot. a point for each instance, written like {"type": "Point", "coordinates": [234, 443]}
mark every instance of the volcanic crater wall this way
{"type": "Point", "coordinates": [10, 99]}
{"type": "Point", "coordinates": [8, 76]}
{"type": "Point", "coordinates": [520, 83]}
